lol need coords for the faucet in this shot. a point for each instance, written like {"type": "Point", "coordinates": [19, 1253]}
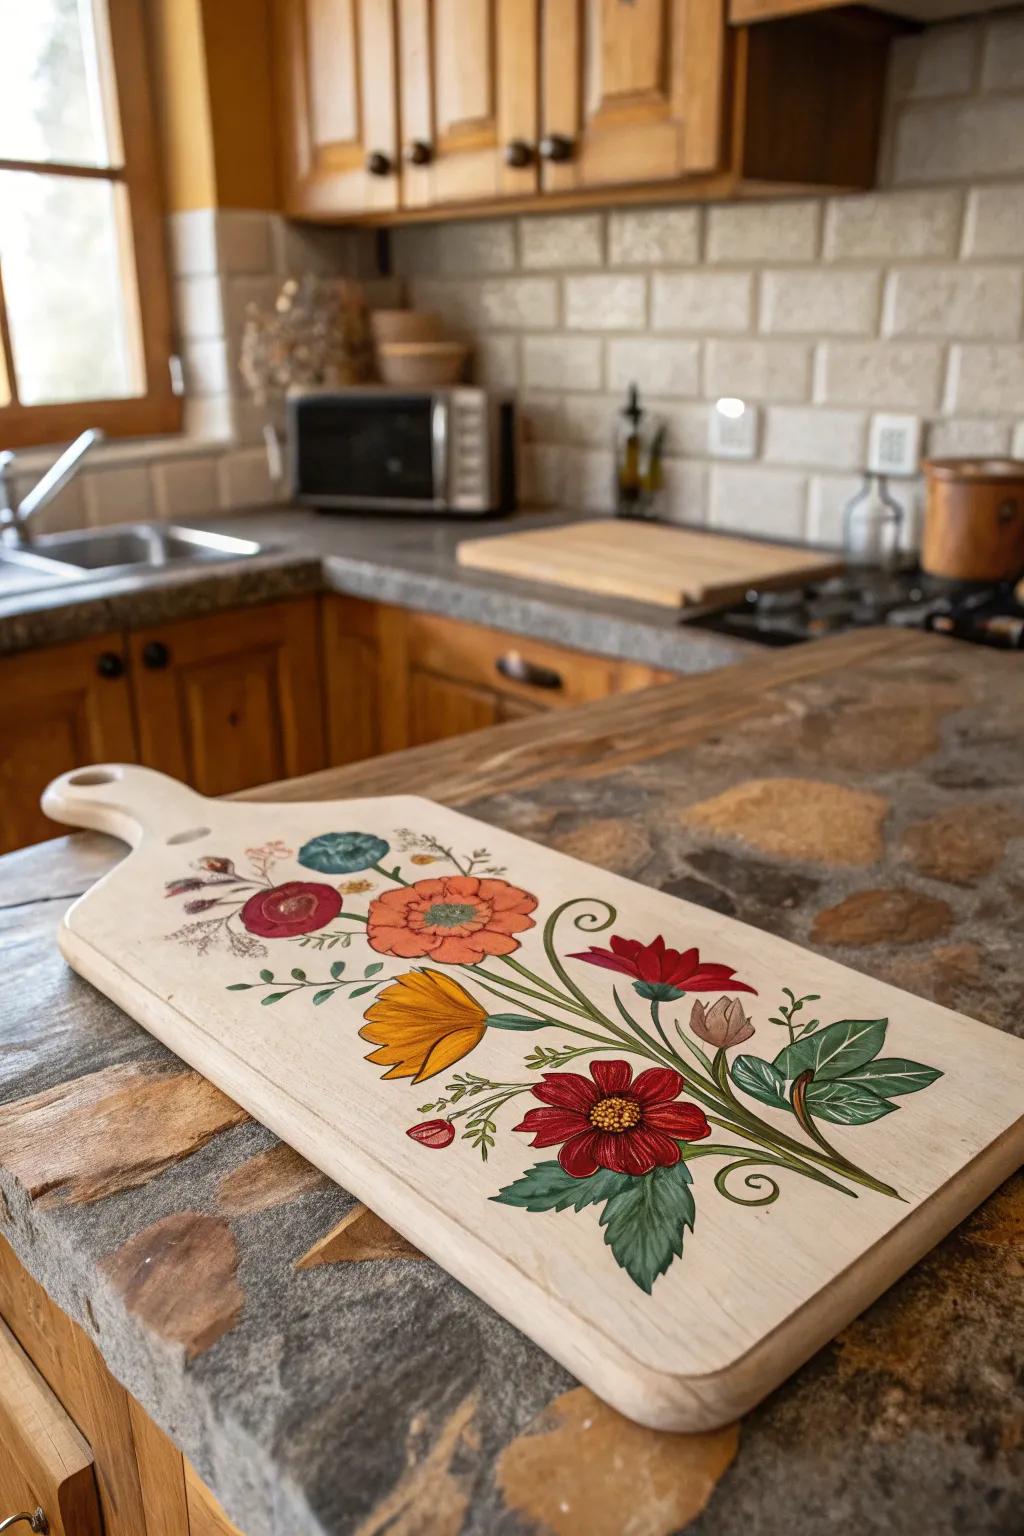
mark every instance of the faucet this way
{"type": "Point", "coordinates": [14, 520]}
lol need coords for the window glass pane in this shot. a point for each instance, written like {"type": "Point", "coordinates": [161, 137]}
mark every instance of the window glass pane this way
{"type": "Point", "coordinates": [73, 327]}
{"type": "Point", "coordinates": [51, 95]}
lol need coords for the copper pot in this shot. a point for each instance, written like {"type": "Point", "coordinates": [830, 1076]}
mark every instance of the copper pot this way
{"type": "Point", "coordinates": [974, 519]}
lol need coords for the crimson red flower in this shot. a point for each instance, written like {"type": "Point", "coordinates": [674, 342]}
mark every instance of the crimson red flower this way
{"type": "Point", "coordinates": [662, 974]}
{"type": "Point", "coordinates": [298, 906]}
{"type": "Point", "coordinates": [627, 1124]}
{"type": "Point", "coordinates": [433, 1133]}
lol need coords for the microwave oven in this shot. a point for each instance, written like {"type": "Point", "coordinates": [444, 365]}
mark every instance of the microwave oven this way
{"type": "Point", "coordinates": [375, 448]}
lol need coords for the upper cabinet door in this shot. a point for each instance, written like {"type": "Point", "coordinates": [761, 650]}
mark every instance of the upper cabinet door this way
{"type": "Point", "coordinates": [631, 91]}
{"type": "Point", "coordinates": [338, 103]}
{"type": "Point", "coordinates": [469, 100]}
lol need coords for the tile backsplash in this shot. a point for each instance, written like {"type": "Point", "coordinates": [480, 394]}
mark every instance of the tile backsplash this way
{"type": "Point", "coordinates": [820, 310]}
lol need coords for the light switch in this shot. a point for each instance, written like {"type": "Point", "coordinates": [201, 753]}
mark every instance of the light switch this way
{"type": "Point", "coordinates": [733, 429]}
{"type": "Point", "coordinates": [894, 445]}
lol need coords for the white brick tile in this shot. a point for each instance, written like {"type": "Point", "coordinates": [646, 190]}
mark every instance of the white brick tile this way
{"type": "Point", "coordinates": [995, 221]}
{"type": "Point", "coordinates": [756, 231]}
{"type": "Point", "coordinates": [118, 495]}
{"type": "Point", "coordinates": [588, 483]}
{"type": "Point", "coordinates": [495, 362]}
{"type": "Point", "coordinates": [983, 137]}
{"type": "Point", "coordinates": [987, 378]}
{"type": "Point", "coordinates": [542, 472]}
{"type": "Point", "coordinates": [487, 245]}
{"type": "Point", "coordinates": [940, 61]}
{"type": "Point", "coordinates": [658, 367]}
{"type": "Point", "coordinates": [245, 479]}
{"type": "Point", "coordinates": [905, 375]}
{"type": "Point", "coordinates": [589, 421]}
{"type": "Point", "coordinates": [562, 240]}
{"type": "Point", "coordinates": [193, 242]}
{"type": "Point", "coordinates": [686, 491]}
{"type": "Point", "coordinates": [955, 301]}
{"type": "Point", "coordinates": [964, 437]}
{"type": "Point", "coordinates": [758, 370]}
{"type": "Point", "coordinates": [185, 488]}
{"type": "Point", "coordinates": [415, 249]}
{"type": "Point", "coordinates": [1003, 58]}
{"type": "Point", "coordinates": [562, 362]}
{"type": "Point", "coordinates": [702, 301]}
{"type": "Point", "coordinates": [824, 439]}
{"type": "Point", "coordinates": [65, 512]}
{"type": "Point", "coordinates": [206, 368]}
{"type": "Point", "coordinates": [809, 301]}
{"type": "Point", "coordinates": [1018, 441]}
{"type": "Point", "coordinates": [244, 241]}
{"type": "Point", "coordinates": [198, 308]}
{"type": "Point", "coordinates": [754, 500]}
{"type": "Point", "coordinates": [605, 303]}
{"type": "Point", "coordinates": [641, 237]}
{"type": "Point", "coordinates": [686, 428]}
{"type": "Point", "coordinates": [494, 303]}
{"type": "Point", "coordinates": [321, 250]}
{"type": "Point", "coordinates": [249, 421]}
{"type": "Point", "coordinates": [826, 506]}
{"type": "Point", "coordinates": [541, 417]}
{"type": "Point", "coordinates": [898, 224]}
{"type": "Point", "coordinates": [209, 418]}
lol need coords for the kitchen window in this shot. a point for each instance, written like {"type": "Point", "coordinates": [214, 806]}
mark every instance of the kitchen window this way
{"type": "Point", "coordinates": [85, 327]}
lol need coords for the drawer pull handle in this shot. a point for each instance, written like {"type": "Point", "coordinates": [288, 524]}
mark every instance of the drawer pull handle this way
{"type": "Point", "coordinates": [155, 655]}
{"type": "Point", "coordinates": [37, 1522]}
{"type": "Point", "coordinates": [108, 664]}
{"type": "Point", "coordinates": [378, 163]}
{"type": "Point", "coordinates": [556, 147]}
{"type": "Point", "coordinates": [419, 152]}
{"type": "Point", "coordinates": [518, 154]}
{"type": "Point", "coordinates": [517, 669]}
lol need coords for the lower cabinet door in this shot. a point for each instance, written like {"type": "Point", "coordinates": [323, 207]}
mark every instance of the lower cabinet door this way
{"type": "Point", "coordinates": [44, 1462]}
{"type": "Point", "coordinates": [232, 700]}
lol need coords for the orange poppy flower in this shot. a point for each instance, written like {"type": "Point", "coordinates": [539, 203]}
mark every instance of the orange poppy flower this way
{"type": "Point", "coordinates": [456, 920]}
{"type": "Point", "coordinates": [423, 1023]}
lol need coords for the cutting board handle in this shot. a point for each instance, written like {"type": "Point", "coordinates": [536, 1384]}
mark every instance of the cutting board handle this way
{"type": "Point", "coordinates": [127, 801]}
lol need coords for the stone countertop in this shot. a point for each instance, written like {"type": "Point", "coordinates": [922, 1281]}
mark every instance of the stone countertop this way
{"type": "Point", "coordinates": [409, 561]}
{"type": "Point", "coordinates": [862, 796]}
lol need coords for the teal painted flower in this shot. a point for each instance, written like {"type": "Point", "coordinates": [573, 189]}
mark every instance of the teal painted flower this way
{"type": "Point", "coordinates": [342, 853]}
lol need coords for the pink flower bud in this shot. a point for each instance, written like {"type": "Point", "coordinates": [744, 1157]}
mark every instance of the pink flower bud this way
{"type": "Point", "coordinates": [433, 1133]}
{"type": "Point", "coordinates": [724, 1024]}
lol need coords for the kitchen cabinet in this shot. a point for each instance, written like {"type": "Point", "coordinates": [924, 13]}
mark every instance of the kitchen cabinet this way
{"type": "Point", "coordinates": [337, 105]}
{"type": "Point", "coordinates": [232, 700]}
{"type": "Point", "coordinates": [631, 93]}
{"type": "Point", "coordinates": [59, 707]}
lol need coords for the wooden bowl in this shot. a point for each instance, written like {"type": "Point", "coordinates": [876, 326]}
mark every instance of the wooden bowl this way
{"type": "Point", "coordinates": [399, 325]}
{"type": "Point", "coordinates": [421, 363]}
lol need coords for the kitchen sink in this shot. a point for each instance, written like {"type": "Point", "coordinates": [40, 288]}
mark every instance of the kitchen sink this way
{"type": "Point", "coordinates": [60, 557]}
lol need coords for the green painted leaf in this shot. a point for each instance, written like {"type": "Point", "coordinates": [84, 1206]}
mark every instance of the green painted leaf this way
{"type": "Point", "coordinates": [371, 970]}
{"type": "Point", "coordinates": [646, 1221]}
{"type": "Point", "coordinates": [833, 1051]}
{"type": "Point", "coordinates": [358, 991]}
{"type": "Point", "coordinates": [547, 1187]}
{"type": "Point", "coordinates": [513, 1021]}
{"type": "Point", "coordinates": [337, 968]}
{"type": "Point", "coordinates": [889, 1076]}
{"type": "Point", "coordinates": [298, 975]}
{"type": "Point", "coordinates": [761, 1080]}
{"type": "Point", "coordinates": [240, 986]}
{"type": "Point", "coordinates": [323, 995]}
{"type": "Point", "coordinates": [846, 1103]}
{"type": "Point", "coordinates": [272, 997]}
{"type": "Point", "coordinates": [266, 975]}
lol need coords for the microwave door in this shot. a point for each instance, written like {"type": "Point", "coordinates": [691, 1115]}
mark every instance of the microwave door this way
{"type": "Point", "coordinates": [373, 450]}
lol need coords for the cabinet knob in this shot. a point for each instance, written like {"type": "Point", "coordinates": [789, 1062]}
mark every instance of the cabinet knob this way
{"type": "Point", "coordinates": [518, 153]}
{"type": "Point", "coordinates": [378, 164]}
{"type": "Point", "coordinates": [517, 669]}
{"type": "Point", "coordinates": [35, 1522]}
{"type": "Point", "coordinates": [419, 152]}
{"type": "Point", "coordinates": [555, 146]}
{"type": "Point", "coordinates": [108, 664]}
{"type": "Point", "coordinates": [155, 655]}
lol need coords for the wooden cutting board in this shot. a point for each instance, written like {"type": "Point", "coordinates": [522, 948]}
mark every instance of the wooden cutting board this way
{"type": "Point", "coordinates": [527, 1067]}
{"type": "Point", "coordinates": [673, 567]}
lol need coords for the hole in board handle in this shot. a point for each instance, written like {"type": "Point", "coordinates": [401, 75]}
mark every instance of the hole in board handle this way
{"type": "Point", "coordinates": [191, 835]}
{"type": "Point", "coordinates": [90, 776]}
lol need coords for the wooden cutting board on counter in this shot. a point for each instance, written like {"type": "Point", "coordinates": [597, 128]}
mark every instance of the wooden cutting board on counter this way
{"type": "Point", "coordinates": [597, 1106]}
{"type": "Point", "coordinates": [648, 562]}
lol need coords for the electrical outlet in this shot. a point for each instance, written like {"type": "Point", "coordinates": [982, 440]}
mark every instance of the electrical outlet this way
{"type": "Point", "coordinates": [894, 445]}
{"type": "Point", "coordinates": [733, 429]}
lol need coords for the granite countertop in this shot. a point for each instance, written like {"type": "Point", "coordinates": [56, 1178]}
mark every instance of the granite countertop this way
{"type": "Point", "coordinates": [409, 561]}
{"type": "Point", "coordinates": [862, 796]}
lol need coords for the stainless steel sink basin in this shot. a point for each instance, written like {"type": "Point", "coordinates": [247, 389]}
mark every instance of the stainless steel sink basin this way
{"type": "Point", "coordinates": [128, 547]}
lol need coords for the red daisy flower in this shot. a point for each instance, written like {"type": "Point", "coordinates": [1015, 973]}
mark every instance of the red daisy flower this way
{"type": "Point", "coordinates": [662, 974]}
{"type": "Point", "coordinates": [627, 1124]}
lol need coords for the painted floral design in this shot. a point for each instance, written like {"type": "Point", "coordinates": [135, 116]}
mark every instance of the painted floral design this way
{"type": "Point", "coordinates": [422, 1024]}
{"type": "Point", "coordinates": [654, 1092]}
{"type": "Point", "coordinates": [456, 920]}
{"type": "Point", "coordinates": [660, 973]}
{"type": "Point", "coordinates": [613, 1120]}
{"type": "Point", "coordinates": [298, 906]}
